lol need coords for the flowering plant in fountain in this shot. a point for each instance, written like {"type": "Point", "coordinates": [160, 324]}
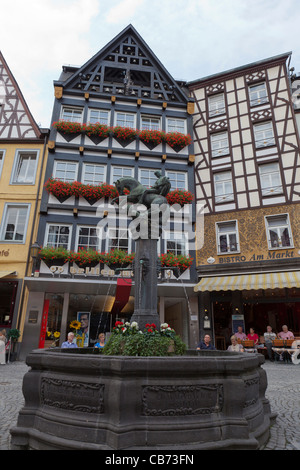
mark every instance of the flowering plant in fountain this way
{"type": "Point", "coordinates": [128, 340]}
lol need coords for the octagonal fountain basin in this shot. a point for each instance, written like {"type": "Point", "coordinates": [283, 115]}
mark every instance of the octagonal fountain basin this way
{"type": "Point", "coordinates": [202, 400]}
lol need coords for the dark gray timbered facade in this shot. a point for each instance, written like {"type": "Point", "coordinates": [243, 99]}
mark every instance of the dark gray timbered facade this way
{"type": "Point", "coordinates": [124, 85]}
{"type": "Point", "coordinates": [248, 178]}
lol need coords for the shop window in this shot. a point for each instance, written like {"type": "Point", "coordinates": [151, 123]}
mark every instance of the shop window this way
{"type": "Point", "coordinates": [219, 144]}
{"type": "Point", "coordinates": [258, 94]}
{"type": "Point", "coordinates": [14, 223]}
{"type": "Point", "coordinates": [8, 291]}
{"type": "Point", "coordinates": [279, 231]}
{"type": "Point", "coordinates": [227, 237]}
{"type": "Point", "coordinates": [223, 187]}
{"type": "Point", "coordinates": [56, 302]}
{"type": "Point", "coordinates": [65, 171]}
{"type": "Point", "coordinates": [270, 179]}
{"type": "Point", "coordinates": [58, 235]}
{"type": "Point", "coordinates": [25, 166]}
{"type": "Point", "coordinates": [216, 105]}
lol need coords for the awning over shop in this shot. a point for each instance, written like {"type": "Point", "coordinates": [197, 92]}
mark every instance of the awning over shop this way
{"type": "Point", "coordinates": [7, 273]}
{"type": "Point", "coordinates": [249, 281]}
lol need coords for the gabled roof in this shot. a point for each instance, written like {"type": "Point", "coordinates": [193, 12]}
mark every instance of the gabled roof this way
{"type": "Point", "coordinates": [16, 120]}
{"type": "Point", "coordinates": [126, 65]}
{"type": "Point", "coordinates": [242, 68]}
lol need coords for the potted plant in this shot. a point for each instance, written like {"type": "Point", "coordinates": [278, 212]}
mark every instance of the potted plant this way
{"type": "Point", "coordinates": [177, 140]}
{"type": "Point", "coordinates": [69, 130]}
{"type": "Point", "coordinates": [62, 190]}
{"type": "Point", "coordinates": [151, 138]}
{"type": "Point", "coordinates": [93, 193]}
{"type": "Point", "coordinates": [179, 196]}
{"type": "Point", "coordinates": [57, 256]}
{"type": "Point", "coordinates": [13, 335]}
{"type": "Point", "coordinates": [124, 135]}
{"type": "Point", "coordinates": [52, 338]}
{"type": "Point", "coordinates": [97, 132]}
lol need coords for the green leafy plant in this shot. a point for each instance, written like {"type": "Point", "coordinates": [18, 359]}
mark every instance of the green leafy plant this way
{"type": "Point", "coordinates": [48, 253]}
{"type": "Point", "coordinates": [128, 340]}
{"type": "Point", "coordinates": [13, 334]}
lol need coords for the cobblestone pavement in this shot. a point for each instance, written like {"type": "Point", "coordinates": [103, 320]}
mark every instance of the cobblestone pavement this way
{"type": "Point", "coordinates": [283, 393]}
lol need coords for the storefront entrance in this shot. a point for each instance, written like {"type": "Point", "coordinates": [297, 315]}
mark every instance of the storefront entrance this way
{"type": "Point", "coordinates": [8, 292]}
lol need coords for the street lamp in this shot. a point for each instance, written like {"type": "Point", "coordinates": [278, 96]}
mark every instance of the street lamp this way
{"type": "Point", "coordinates": [34, 251]}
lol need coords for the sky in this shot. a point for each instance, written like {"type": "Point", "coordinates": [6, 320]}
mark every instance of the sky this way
{"type": "Point", "coordinates": [192, 38]}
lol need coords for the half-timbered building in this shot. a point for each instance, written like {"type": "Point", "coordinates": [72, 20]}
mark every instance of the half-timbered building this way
{"type": "Point", "coordinates": [124, 87]}
{"type": "Point", "coordinates": [23, 152]}
{"type": "Point", "coordinates": [247, 172]}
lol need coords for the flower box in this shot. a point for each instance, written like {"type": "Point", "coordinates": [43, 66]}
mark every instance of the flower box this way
{"type": "Point", "coordinates": [179, 196]}
{"type": "Point", "coordinates": [53, 256]}
{"type": "Point", "coordinates": [177, 263]}
{"type": "Point", "coordinates": [69, 130]}
{"type": "Point", "coordinates": [151, 138]}
{"type": "Point", "coordinates": [63, 190]}
{"type": "Point", "coordinates": [124, 135]}
{"type": "Point", "coordinates": [96, 132]}
{"type": "Point", "coordinates": [177, 141]}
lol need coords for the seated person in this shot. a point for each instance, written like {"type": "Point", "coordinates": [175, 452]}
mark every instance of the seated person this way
{"type": "Point", "coordinates": [235, 346]}
{"type": "Point", "coordinates": [69, 343]}
{"type": "Point", "coordinates": [101, 342]}
{"type": "Point", "coordinates": [240, 334]}
{"type": "Point", "coordinates": [206, 343]}
{"type": "Point", "coordinates": [285, 333]}
{"type": "Point", "coordinates": [269, 336]}
{"type": "Point", "coordinates": [253, 336]}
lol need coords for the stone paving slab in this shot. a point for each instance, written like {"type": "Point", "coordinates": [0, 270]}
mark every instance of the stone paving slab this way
{"type": "Point", "coordinates": [283, 392]}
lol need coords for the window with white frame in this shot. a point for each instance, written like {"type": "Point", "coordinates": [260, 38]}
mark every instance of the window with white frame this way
{"type": "Point", "coordinates": [147, 177]}
{"type": "Point", "coordinates": [264, 135]}
{"type": "Point", "coordinates": [87, 238]}
{"type": "Point", "coordinates": [25, 167]}
{"type": "Point", "coordinates": [58, 235]}
{"type": "Point", "coordinates": [270, 179]}
{"type": "Point", "coordinates": [176, 125]}
{"type": "Point", "coordinates": [72, 114]}
{"type": "Point", "coordinates": [178, 179]}
{"type": "Point", "coordinates": [99, 115]}
{"type": "Point", "coordinates": [279, 231]}
{"type": "Point", "coordinates": [120, 172]}
{"type": "Point", "coordinates": [93, 174]}
{"type": "Point", "coordinates": [149, 122]}
{"type": "Point", "coordinates": [117, 239]}
{"type": "Point", "coordinates": [258, 94]}
{"type": "Point", "coordinates": [2, 154]}
{"type": "Point", "coordinates": [14, 222]}
{"type": "Point", "coordinates": [223, 187]}
{"type": "Point", "coordinates": [227, 237]}
{"type": "Point", "coordinates": [216, 105]}
{"type": "Point", "coordinates": [176, 243]}
{"type": "Point", "coordinates": [65, 171]}
{"type": "Point", "coordinates": [219, 144]}
{"type": "Point", "coordinates": [125, 120]}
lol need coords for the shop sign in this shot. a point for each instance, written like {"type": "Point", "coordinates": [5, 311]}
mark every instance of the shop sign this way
{"type": "Point", "coordinates": [272, 255]}
{"type": "Point", "coordinates": [4, 253]}
{"type": "Point", "coordinates": [88, 271]}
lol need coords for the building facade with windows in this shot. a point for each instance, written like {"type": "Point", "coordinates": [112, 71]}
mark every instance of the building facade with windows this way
{"type": "Point", "coordinates": [122, 89]}
{"type": "Point", "coordinates": [247, 172]}
{"type": "Point", "coordinates": [23, 152]}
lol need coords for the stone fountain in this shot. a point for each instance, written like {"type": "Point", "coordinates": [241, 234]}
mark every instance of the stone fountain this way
{"type": "Point", "coordinates": [75, 399]}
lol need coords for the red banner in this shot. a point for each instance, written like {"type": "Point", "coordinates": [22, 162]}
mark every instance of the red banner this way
{"type": "Point", "coordinates": [44, 324]}
{"type": "Point", "coordinates": [122, 295]}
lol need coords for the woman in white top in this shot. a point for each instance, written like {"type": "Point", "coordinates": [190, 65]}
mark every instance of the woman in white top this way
{"type": "Point", "coordinates": [235, 346]}
{"type": "Point", "coordinates": [2, 348]}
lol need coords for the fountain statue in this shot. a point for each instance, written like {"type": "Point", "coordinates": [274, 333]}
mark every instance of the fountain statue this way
{"type": "Point", "coordinates": [75, 399]}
